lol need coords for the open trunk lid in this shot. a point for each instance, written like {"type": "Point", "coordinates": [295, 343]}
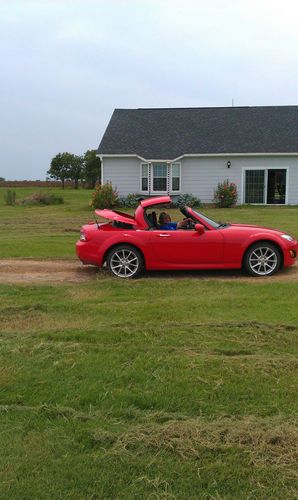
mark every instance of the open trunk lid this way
{"type": "Point", "coordinates": [114, 215]}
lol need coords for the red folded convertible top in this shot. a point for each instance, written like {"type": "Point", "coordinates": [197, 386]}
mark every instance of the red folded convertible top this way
{"type": "Point", "coordinates": [158, 200]}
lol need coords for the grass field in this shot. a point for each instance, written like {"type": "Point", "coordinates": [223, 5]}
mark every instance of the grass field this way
{"type": "Point", "coordinates": [51, 231]}
{"type": "Point", "coordinates": [155, 388]}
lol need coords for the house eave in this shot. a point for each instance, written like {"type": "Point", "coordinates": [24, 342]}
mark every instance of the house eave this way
{"type": "Point", "coordinates": [191, 155]}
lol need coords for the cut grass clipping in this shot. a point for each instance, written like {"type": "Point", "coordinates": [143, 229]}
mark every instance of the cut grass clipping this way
{"type": "Point", "coordinates": [269, 441]}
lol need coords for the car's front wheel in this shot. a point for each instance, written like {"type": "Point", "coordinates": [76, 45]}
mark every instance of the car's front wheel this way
{"type": "Point", "coordinates": [125, 261]}
{"type": "Point", "coordinates": [262, 259]}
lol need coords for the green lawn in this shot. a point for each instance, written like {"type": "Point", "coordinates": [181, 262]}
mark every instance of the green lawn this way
{"type": "Point", "coordinates": [154, 388]}
{"type": "Point", "coordinates": [43, 232]}
{"type": "Point", "coordinates": [51, 231]}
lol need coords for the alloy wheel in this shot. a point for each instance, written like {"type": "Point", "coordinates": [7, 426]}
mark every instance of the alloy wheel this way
{"type": "Point", "coordinates": [124, 263]}
{"type": "Point", "coordinates": [263, 260]}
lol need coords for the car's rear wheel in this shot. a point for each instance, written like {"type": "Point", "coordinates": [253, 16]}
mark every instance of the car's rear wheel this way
{"type": "Point", "coordinates": [125, 261]}
{"type": "Point", "coordinates": [262, 259]}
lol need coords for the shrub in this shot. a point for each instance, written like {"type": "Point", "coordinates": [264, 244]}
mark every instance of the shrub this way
{"type": "Point", "coordinates": [187, 199]}
{"type": "Point", "coordinates": [104, 196]}
{"type": "Point", "coordinates": [130, 201]}
{"type": "Point", "coordinates": [10, 197]}
{"type": "Point", "coordinates": [225, 195]}
{"type": "Point", "coordinates": [41, 199]}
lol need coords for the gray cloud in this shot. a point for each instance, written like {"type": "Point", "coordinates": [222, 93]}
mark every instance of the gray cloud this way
{"type": "Point", "coordinates": [67, 64]}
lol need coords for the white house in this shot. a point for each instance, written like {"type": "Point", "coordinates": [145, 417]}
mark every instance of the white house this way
{"type": "Point", "coordinates": [189, 150]}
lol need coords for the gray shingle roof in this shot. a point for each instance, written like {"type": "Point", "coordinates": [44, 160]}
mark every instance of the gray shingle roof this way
{"type": "Point", "coordinates": [170, 132]}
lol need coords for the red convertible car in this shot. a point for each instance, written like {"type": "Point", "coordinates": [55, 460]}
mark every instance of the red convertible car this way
{"type": "Point", "coordinates": [127, 244]}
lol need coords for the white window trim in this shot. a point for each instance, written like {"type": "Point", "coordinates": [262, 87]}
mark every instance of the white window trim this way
{"type": "Point", "coordinates": [166, 191]}
{"type": "Point", "coordinates": [169, 189]}
{"type": "Point", "coordinates": [178, 191]}
{"type": "Point", "coordinates": [244, 169]}
{"type": "Point", "coordinates": [141, 177]}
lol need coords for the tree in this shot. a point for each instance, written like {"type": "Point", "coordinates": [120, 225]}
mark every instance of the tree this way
{"type": "Point", "coordinates": [92, 168]}
{"type": "Point", "coordinates": [60, 167]}
{"type": "Point", "coordinates": [75, 169]}
{"type": "Point", "coordinates": [66, 166]}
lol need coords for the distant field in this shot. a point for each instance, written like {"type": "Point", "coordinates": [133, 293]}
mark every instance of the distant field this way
{"type": "Point", "coordinates": [158, 388]}
{"type": "Point", "coordinates": [51, 231]}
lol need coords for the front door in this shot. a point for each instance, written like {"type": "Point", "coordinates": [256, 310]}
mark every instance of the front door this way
{"type": "Point", "coordinates": [187, 247]}
{"type": "Point", "coordinates": [265, 186]}
{"type": "Point", "coordinates": [254, 186]}
{"type": "Point", "coordinates": [276, 187]}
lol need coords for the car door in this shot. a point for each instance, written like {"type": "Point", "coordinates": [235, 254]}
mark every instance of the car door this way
{"type": "Point", "coordinates": [186, 247]}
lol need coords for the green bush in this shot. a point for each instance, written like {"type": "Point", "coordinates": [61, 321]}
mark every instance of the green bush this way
{"type": "Point", "coordinates": [41, 199]}
{"type": "Point", "coordinates": [10, 197]}
{"type": "Point", "coordinates": [187, 199]}
{"type": "Point", "coordinates": [104, 196]}
{"type": "Point", "coordinates": [130, 201]}
{"type": "Point", "coordinates": [225, 195]}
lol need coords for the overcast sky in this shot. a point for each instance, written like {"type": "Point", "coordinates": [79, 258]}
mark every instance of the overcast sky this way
{"type": "Point", "coordinates": [66, 64]}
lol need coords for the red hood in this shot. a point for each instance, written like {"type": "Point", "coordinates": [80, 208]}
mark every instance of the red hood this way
{"type": "Point", "coordinates": [254, 226]}
{"type": "Point", "coordinates": [116, 216]}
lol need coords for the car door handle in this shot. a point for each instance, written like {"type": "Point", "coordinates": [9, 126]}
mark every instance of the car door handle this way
{"type": "Point", "coordinates": [164, 235]}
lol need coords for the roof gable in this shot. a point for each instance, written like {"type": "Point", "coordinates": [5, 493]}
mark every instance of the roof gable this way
{"type": "Point", "coordinates": [167, 133]}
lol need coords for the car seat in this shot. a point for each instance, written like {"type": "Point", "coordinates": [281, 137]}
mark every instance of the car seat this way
{"type": "Point", "coordinates": [152, 220]}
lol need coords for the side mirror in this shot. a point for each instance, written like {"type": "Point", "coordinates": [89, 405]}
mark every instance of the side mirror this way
{"type": "Point", "coordinates": [199, 228]}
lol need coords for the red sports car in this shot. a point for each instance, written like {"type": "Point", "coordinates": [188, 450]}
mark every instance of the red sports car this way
{"type": "Point", "coordinates": [127, 244]}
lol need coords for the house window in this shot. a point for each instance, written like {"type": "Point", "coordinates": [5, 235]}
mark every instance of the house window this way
{"type": "Point", "coordinates": [175, 177]}
{"type": "Point", "coordinates": [144, 177]}
{"type": "Point", "coordinates": [265, 186]}
{"type": "Point", "coordinates": [159, 177]}
{"type": "Point", "coordinates": [254, 186]}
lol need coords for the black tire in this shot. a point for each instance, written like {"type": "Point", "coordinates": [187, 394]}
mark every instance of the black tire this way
{"type": "Point", "coordinates": [125, 261]}
{"type": "Point", "coordinates": [262, 259]}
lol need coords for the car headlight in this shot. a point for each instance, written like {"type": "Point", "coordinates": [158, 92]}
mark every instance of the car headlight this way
{"type": "Point", "coordinates": [287, 237]}
{"type": "Point", "coordinates": [83, 237]}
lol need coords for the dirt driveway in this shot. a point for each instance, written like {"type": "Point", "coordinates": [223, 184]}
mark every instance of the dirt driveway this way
{"type": "Point", "coordinates": [68, 271]}
{"type": "Point", "coordinates": [41, 271]}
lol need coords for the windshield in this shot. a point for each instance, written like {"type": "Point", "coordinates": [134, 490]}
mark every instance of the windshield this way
{"type": "Point", "coordinates": [206, 219]}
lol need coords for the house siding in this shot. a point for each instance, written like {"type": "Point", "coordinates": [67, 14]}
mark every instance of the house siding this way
{"type": "Point", "coordinates": [200, 175]}
{"type": "Point", "coordinates": [123, 173]}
